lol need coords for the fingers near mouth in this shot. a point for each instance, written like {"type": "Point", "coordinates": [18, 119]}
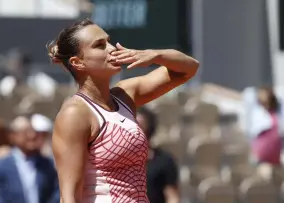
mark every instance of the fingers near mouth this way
{"type": "Point", "coordinates": [114, 62]}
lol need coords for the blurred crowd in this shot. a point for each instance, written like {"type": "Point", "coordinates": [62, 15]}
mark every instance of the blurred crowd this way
{"type": "Point", "coordinates": [26, 167]}
{"type": "Point", "coordinates": [207, 144]}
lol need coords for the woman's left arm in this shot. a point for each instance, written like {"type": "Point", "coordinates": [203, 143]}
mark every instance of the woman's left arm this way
{"type": "Point", "coordinates": [176, 68]}
{"type": "Point", "coordinates": [176, 62]}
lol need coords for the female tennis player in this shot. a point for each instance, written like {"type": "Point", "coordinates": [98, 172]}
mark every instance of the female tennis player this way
{"type": "Point", "coordinates": [99, 149]}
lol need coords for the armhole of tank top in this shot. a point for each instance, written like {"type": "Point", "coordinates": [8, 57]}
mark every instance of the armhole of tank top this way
{"type": "Point", "coordinates": [123, 104]}
{"type": "Point", "coordinates": [98, 114]}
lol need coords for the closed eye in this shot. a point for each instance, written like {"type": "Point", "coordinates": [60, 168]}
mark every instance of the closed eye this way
{"type": "Point", "coordinates": [102, 45]}
{"type": "Point", "coordinates": [99, 43]}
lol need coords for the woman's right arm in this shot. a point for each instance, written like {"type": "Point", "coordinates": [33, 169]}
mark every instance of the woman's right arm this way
{"type": "Point", "coordinates": [70, 141]}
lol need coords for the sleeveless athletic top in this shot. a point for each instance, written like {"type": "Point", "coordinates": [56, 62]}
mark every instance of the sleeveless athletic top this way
{"type": "Point", "coordinates": [115, 170]}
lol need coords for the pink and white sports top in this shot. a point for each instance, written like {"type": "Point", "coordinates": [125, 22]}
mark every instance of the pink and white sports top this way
{"type": "Point", "coordinates": [115, 170]}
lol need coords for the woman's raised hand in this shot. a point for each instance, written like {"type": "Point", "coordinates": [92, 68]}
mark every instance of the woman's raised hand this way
{"type": "Point", "coordinates": [135, 58]}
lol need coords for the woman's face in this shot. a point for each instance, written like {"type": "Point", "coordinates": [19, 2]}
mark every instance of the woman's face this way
{"type": "Point", "coordinates": [96, 59]}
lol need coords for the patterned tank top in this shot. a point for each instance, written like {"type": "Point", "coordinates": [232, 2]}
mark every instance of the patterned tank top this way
{"type": "Point", "coordinates": [115, 170]}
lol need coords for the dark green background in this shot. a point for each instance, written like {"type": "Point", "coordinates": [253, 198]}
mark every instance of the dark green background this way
{"type": "Point", "coordinates": [165, 28]}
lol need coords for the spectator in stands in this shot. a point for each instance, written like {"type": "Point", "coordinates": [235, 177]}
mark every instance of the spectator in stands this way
{"type": "Point", "coordinates": [4, 139]}
{"type": "Point", "coordinates": [265, 124]}
{"type": "Point", "coordinates": [43, 127]}
{"type": "Point", "coordinates": [162, 174]}
{"type": "Point", "coordinates": [16, 63]}
{"type": "Point", "coordinates": [25, 175]}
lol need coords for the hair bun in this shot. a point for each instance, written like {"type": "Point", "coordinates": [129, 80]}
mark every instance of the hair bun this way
{"type": "Point", "coordinates": [53, 52]}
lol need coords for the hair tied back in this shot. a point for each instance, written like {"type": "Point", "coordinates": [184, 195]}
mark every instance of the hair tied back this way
{"type": "Point", "coordinates": [53, 52]}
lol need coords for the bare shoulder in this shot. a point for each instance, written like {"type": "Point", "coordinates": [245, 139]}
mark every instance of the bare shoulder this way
{"type": "Point", "coordinates": [74, 116]}
{"type": "Point", "coordinates": [125, 94]}
{"type": "Point", "coordinates": [128, 85]}
{"type": "Point", "coordinates": [73, 108]}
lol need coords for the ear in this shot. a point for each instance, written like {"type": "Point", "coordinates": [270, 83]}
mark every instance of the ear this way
{"type": "Point", "coordinates": [76, 62]}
